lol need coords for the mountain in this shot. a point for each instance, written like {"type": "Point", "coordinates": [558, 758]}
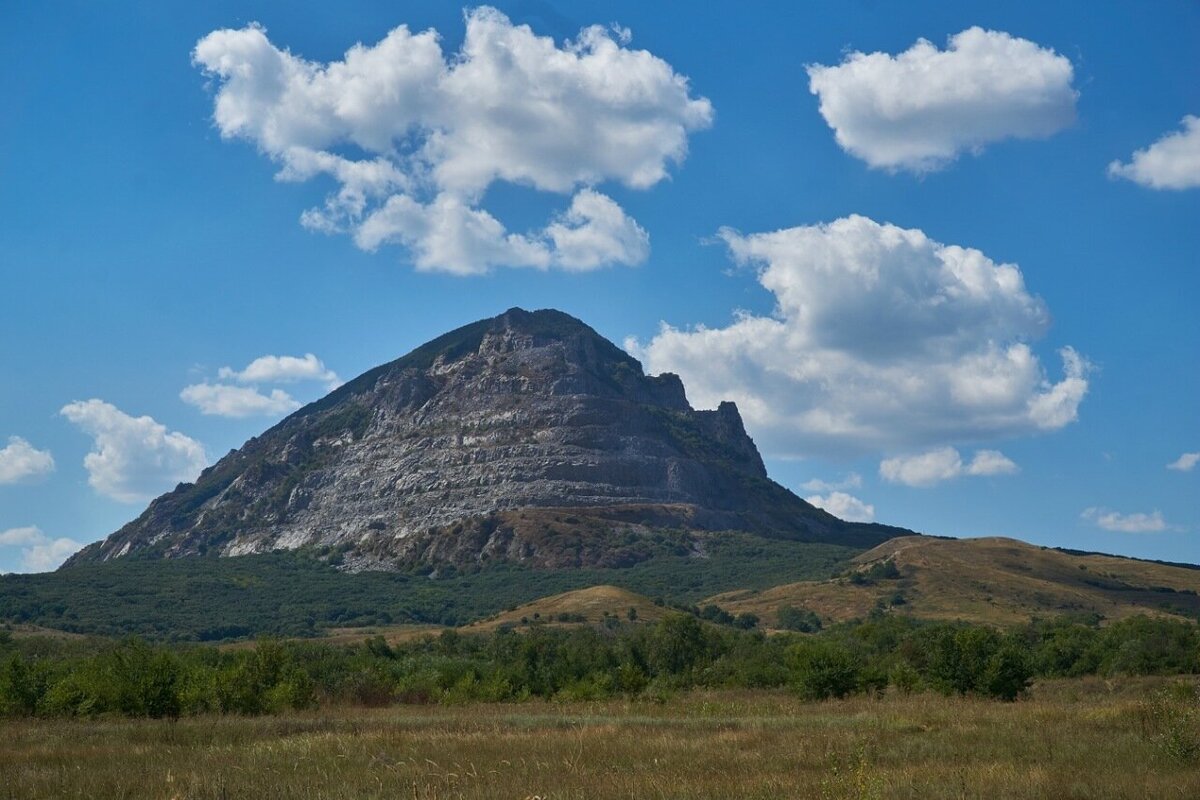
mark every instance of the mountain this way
{"type": "Point", "coordinates": [524, 438]}
{"type": "Point", "coordinates": [990, 580]}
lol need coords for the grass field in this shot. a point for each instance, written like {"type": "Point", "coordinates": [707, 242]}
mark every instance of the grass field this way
{"type": "Point", "coordinates": [1083, 738]}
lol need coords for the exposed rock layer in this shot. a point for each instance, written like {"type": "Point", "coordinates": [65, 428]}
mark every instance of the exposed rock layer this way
{"type": "Point", "coordinates": [492, 442]}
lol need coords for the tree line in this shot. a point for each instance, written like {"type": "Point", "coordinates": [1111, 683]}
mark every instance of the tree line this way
{"type": "Point", "coordinates": [46, 677]}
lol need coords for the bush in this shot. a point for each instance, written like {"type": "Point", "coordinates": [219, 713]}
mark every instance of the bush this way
{"type": "Point", "coordinates": [904, 677]}
{"type": "Point", "coordinates": [745, 621]}
{"type": "Point", "coordinates": [1007, 674]}
{"type": "Point", "coordinates": [21, 687]}
{"type": "Point", "coordinates": [1170, 720]}
{"type": "Point", "coordinates": [677, 645]}
{"type": "Point", "coordinates": [800, 620]}
{"type": "Point", "coordinates": [823, 669]}
{"type": "Point", "coordinates": [978, 660]}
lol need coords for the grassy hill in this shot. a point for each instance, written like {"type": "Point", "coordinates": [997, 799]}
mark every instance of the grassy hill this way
{"type": "Point", "coordinates": [992, 580]}
{"type": "Point", "coordinates": [591, 605]}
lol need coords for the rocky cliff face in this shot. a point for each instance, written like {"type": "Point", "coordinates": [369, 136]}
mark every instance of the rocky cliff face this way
{"type": "Point", "coordinates": [524, 437]}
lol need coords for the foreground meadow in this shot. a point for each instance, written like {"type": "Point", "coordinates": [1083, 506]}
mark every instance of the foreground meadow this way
{"type": "Point", "coordinates": [1085, 738]}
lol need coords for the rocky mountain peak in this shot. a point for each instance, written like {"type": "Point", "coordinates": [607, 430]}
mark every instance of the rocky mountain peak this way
{"type": "Point", "coordinates": [500, 440]}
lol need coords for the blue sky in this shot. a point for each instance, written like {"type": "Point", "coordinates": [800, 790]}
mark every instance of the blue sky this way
{"type": "Point", "coordinates": [890, 249]}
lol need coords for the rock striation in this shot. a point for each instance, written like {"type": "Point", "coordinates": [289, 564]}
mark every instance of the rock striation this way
{"type": "Point", "coordinates": [525, 437]}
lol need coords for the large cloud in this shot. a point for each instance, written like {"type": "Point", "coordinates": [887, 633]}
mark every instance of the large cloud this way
{"type": "Point", "coordinates": [1173, 162]}
{"type": "Point", "coordinates": [414, 138]}
{"type": "Point", "coordinates": [133, 458]}
{"type": "Point", "coordinates": [39, 553]}
{"type": "Point", "coordinates": [922, 108]}
{"type": "Point", "coordinates": [881, 339]}
{"type": "Point", "coordinates": [21, 461]}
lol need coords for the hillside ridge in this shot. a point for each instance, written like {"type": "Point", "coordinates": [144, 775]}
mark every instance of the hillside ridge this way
{"type": "Point", "coordinates": [991, 579]}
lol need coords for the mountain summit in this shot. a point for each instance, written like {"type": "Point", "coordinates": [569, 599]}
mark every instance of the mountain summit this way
{"type": "Point", "coordinates": [524, 437]}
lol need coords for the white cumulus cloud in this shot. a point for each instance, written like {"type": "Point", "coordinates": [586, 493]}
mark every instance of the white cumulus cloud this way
{"type": "Point", "coordinates": [414, 137]}
{"type": "Point", "coordinates": [921, 109]}
{"type": "Point", "coordinates": [1126, 523]}
{"type": "Point", "coordinates": [851, 481]}
{"type": "Point", "coordinates": [595, 231]}
{"type": "Point", "coordinates": [991, 462]}
{"type": "Point", "coordinates": [133, 458]}
{"type": "Point", "coordinates": [881, 339]}
{"type": "Point", "coordinates": [39, 553]}
{"type": "Point", "coordinates": [21, 461]}
{"type": "Point", "coordinates": [18, 537]}
{"type": "Point", "coordinates": [282, 369]}
{"type": "Point", "coordinates": [943, 464]}
{"type": "Point", "coordinates": [844, 506]}
{"type": "Point", "coordinates": [1185, 463]}
{"type": "Point", "coordinates": [223, 400]}
{"type": "Point", "coordinates": [1173, 162]}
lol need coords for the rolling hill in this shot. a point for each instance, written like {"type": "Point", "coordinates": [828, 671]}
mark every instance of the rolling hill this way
{"type": "Point", "coordinates": [991, 580]}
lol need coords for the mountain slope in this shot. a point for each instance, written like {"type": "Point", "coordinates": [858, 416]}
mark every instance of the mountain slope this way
{"type": "Point", "coordinates": [527, 437]}
{"type": "Point", "coordinates": [992, 580]}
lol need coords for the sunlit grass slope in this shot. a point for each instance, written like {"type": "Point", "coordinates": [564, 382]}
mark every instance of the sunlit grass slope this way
{"type": "Point", "coordinates": [993, 580]}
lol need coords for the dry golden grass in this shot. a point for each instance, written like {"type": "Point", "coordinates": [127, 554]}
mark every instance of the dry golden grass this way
{"type": "Point", "coordinates": [992, 580]}
{"type": "Point", "coordinates": [1070, 739]}
{"type": "Point", "coordinates": [593, 603]}
{"type": "Point", "coordinates": [392, 633]}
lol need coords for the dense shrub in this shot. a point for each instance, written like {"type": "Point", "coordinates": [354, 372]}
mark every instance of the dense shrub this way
{"type": "Point", "coordinates": [823, 668]}
{"type": "Point", "coordinates": [800, 620]}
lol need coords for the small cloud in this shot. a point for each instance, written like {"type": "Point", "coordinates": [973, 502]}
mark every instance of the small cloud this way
{"type": "Point", "coordinates": [39, 553]}
{"type": "Point", "coordinates": [992, 462]}
{"type": "Point", "coordinates": [1173, 162]}
{"type": "Point", "coordinates": [282, 369]}
{"type": "Point", "coordinates": [844, 506]}
{"type": "Point", "coordinates": [943, 464]}
{"type": "Point", "coordinates": [1125, 523]}
{"type": "Point", "coordinates": [223, 400]}
{"type": "Point", "coordinates": [133, 458]}
{"type": "Point", "coordinates": [851, 481]}
{"type": "Point", "coordinates": [1185, 463]}
{"type": "Point", "coordinates": [21, 461]}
